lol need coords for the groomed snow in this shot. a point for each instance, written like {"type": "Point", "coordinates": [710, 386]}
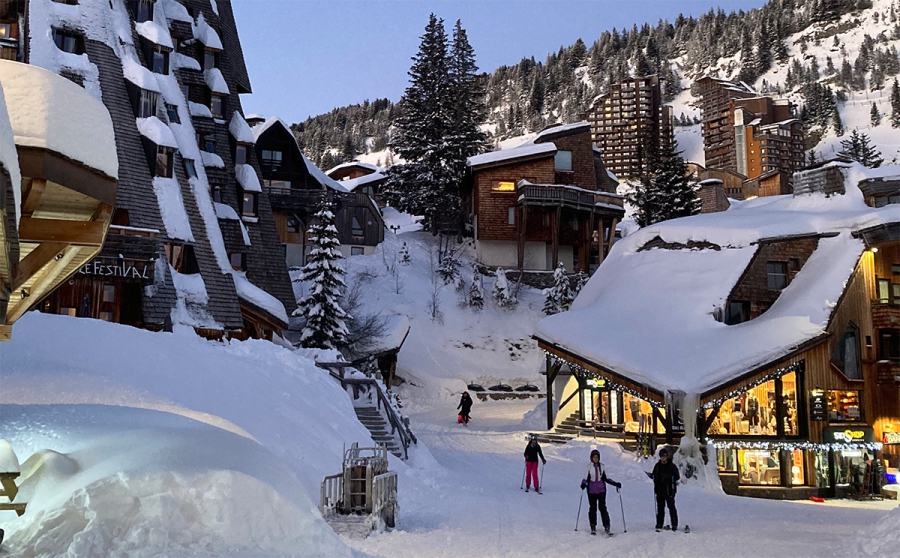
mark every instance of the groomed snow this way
{"type": "Point", "coordinates": [247, 178]}
{"type": "Point", "coordinates": [9, 157]}
{"type": "Point", "coordinates": [50, 112]}
{"type": "Point", "coordinates": [691, 351]}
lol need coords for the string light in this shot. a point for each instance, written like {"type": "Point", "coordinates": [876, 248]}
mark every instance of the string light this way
{"type": "Point", "coordinates": [583, 372]}
{"type": "Point", "coordinates": [795, 367]}
{"type": "Point", "coordinates": [793, 445]}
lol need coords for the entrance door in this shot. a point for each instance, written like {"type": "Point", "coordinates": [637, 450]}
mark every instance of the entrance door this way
{"type": "Point", "coordinates": [109, 307]}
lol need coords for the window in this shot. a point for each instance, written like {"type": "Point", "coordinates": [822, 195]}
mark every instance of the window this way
{"type": "Point", "coordinates": [68, 41]}
{"type": "Point", "coordinates": [172, 114]}
{"type": "Point", "coordinates": [293, 225]}
{"type": "Point", "coordinates": [504, 187]}
{"type": "Point", "coordinates": [238, 261]}
{"type": "Point", "coordinates": [68, 311]}
{"type": "Point", "coordinates": [160, 62]}
{"type": "Point", "coordinates": [356, 250]}
{"type": "Point", "coordinates": [884, 291]}
{"type": "Point", "coordinates": [563, 161]}
{"type": "Point", "coordinates": [215, 105]}
{"type": "Point", "coordinates": [249, 204]}
{"type": "Point", "coordinates": [511, 216]}
{"type": "Point", "coordinates": [216, 193]}
{"type": "Point", "coordinates": [109, 293]}
{"type": "Point", "coordinates": [895, 269]}
{"type": "Point", "coordinates": [738, 311]}
{"type": "Point", "coordinates": [759, 466]}
{"type": "Point", "coordinates": [164, 157]}
{"type": "Point", "coordinates": [174, 254]}
{"type": "Point", "coordinates": [776, 275]}
{"type": "Point", "coordinates": [186, 91]}
{"type": "Point", "coordinates": [143, 10]}
{"type": "Point", "coordinates": [843, 406]}
{"type": "Point", "coordinates": [271, 159]}
{"type": "Point", "coordinates": [149, 102]}
{"type": "Point", "coordinates": [888, 344]}
{"type": "Point", "coordinates": [755, 412]}
{"type": "Point", "coordinates": [189, 168]}
{"type": "Point", "coordinates": [356, 228]}
{"type": "Point", "coordinates": [240, 154]}
{"type": "Point", "coordinates": [845, 356]}
{"type": "Point", "coordinates": [182, 258]}
{"type": "Point", "coordinates": [6, 31]}
{"type": "Point", "coordinates": [210, 59]}
{"type": "Point", "coordinates": [206, 143]}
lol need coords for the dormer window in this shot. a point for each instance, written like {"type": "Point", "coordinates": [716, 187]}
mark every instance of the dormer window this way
{"type": "Point", "coordinates": [238, 261]}
{"type": "Point", "coordinates": [249, 205]}
{"type": "Point", "coordinates": [271, 159]}
{"type": "Point", "coordinates": [776, 275]}
{"type": "Point", "coordinates": [68, 41]}
{"type": "Point", "coordinates": [241, 154]}
{"type": "Point", "coordinates": [356, 229]}
{"type": "Point", "coordinates": [210, 59]}
{"type": "Point", "coordinates": [216, 105]}
{"type": "Point", "coordinates": [148, 104]}
{"type": "Point", "coordinates": [190, 169]}
{"type": "Point", "coordinates": [160, 62]}
{"type": "Point", "coordinates": [182, 257]}
{"type": "Point", "coordinates": [143, 10]}
{"type": "Point", "coordinates": [164, 159]}
{"type": "Point", "coordinates": [172, 114]}
{"type": "Point", "coordinates": [293, 225]}
{"type": "Point", "coordinates": [216, 193]}
{"type": "Point", "coordinates": [206, 143]}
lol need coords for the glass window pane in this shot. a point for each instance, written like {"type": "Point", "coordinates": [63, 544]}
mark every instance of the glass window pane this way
{"type": "Point", "coordinates": [789, 391]}
{"type": "Point", "coordinates": [215, 105]}
{"type": "Point", "coordinates": [240, 155]}
{"type": "Point", "coordinates": [357, 229]}
{"type": "Point", "coordinates": [109, 293]}
{"type": "Point", "coordinates": [504, 187]}
{"type": "Point", "coordinates": [843, 406]}
{"type": "Point", "coordinates": [760, 467]}
{"type": "Point", "coordinates": [563, 161]}
{"type": "Point", "coordinates": [884, 291]}
{"type": "Point", "coordinates": [798, 478]}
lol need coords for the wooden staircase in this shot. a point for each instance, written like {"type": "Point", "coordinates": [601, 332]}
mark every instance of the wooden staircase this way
{"type": "Point", "coordinates": [371, 418]}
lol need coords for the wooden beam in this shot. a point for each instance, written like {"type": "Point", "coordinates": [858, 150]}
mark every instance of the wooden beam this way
{"type": "Point", "coordinates": [5, 332]}
{"type": "Point", "coordinates": [520, 226]}
{"type": "Point", "coordinates": [557, 217]}
{"type": "Point", "coordinates": [612, 234]}
{"type": "Point", "coordinates": [34, 261]}
{"type": "Point", "coordinates": [79, 233]}
{"type": "Point", "coordinates": [32, 196]}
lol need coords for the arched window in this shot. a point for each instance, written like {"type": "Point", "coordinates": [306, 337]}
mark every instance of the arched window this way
{"type": "Point", "coordinates": [846, 353]}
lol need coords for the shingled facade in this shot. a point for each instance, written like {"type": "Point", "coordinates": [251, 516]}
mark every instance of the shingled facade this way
{"type": "Point", "coordinates": [193, 232]}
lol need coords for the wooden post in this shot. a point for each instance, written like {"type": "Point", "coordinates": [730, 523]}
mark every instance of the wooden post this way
{"type": "Point", "coordinates": [552, 371]}
{"type": "Point", "coordinates": [612, 234]}
{"type": "Point", "coordinates": [520, 229]}
{"type": "Point", "coordinates": [601, 240]}
{"type": "Point", "coordinates": [555, 236]}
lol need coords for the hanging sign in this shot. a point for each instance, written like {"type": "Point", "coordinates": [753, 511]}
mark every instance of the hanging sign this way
{"type": "Point", "coordinates": [111, 267]}
{"type": "Point", "coordinates": [597, 384]}
{"type": "Point", "coordinates": [848, 434]}
{"type": "Point", "coordinates": [818, 405]}
{"type": "Point", "coordinates": [890, 438]}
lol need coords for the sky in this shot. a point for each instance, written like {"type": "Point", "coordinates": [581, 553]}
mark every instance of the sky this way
{"type": "Point", "coordinates": [306, 57]}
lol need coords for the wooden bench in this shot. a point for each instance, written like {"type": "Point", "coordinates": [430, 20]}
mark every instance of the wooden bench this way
{"type": "Point", "coordinates": [10, 490]}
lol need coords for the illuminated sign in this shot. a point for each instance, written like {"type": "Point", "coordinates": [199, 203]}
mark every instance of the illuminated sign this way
{"type": "Point", "coordinates": [597, 384]}
{"type": "Point", "coordinates": [848, 435]}
{"type": "Point", "coordinates": [818, 406]}
{"type": "Point", "coordinates": [890, 438]}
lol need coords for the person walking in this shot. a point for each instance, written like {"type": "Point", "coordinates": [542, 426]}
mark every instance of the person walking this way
{"type": "Point", "coordinates": [595, 482]}
{"type": "Point", "coordinates": [532, 452]}
{"type": "Point", "coordinates": [665, 481]}
{"type": "Point", "coordinates": [465, 407]}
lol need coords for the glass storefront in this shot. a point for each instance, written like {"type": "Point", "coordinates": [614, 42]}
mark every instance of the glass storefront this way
{"type": "Point", "coordinates": [759, 467]}
{"type": "Point", "coordinates": [639, 415]}
{"type": "Point", "coordinates": [605, 407]}
{"type": "Point", "coordinates": [755, 412]}
{"type": "Point", "coordinates": [843, 406]}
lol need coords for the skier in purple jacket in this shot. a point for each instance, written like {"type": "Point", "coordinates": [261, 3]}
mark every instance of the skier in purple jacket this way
{"type": "Point", "coordinates": [595, 482]}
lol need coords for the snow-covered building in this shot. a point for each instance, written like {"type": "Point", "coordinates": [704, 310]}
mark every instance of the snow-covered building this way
{"type": "Point", "coordinates": [192, 240]}
{"type": "Point", "coordinates": [296, 188]}
{"type": "Point", "coordinates": [58, 172]}
{"type": "Point", "coordinates": [548, 200]}
{"type": "Point", "coordinates": [361, 177]}
{"type": "Point", "coordinates": [770, 329]}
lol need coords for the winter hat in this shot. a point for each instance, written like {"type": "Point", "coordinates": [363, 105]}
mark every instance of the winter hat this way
{"type": "Point", "coordinates": [664, 452]}
{"type": "Point", "coordinates": [595, 452]}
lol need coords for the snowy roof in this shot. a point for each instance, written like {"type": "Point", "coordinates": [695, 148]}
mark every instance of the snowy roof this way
{"type": "Point", "coordinates": [207, 34]}
{"type": "Point", "coordinates": [9, 157]}
{"type": "Point", "coordinates": [139, 75]}
{"type": "Point", "coordinates": [619, 313]}
{"type": "Point", "coordinates": [50, 112]}
{"type": "Point", "coordinates": [239, 129]}
{"type": "Point", "coordinates": [259, 298]}
{"type": "Point", "coordinates": [225, 211]}
{"type": "Point", "coordinates": [154, 33]}
{"type": "Point", "coordinates": [558, 129]}
{"type": "Point", "coordinates": [354, 183]}
{"type": "Point", "coordinates": [523, 151]}
{"type": "Point", "coordinates": [247, 178]}
{"type": "Point", "coordinates": [171, 208]}
{"type": "Point", "coordinates": [176, 11]}
{"type": "Point", "coordinates": [156, 131]}
{"type": "Point", "coordinates": [216, 81]}
{"type": "Point", "coordinates": [354, 164]}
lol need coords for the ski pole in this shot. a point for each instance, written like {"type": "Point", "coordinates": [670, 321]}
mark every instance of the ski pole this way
{"type": "Point", "coordinates": [577, 517]}
{"type": "Point", "coordinates": [622, 507]}
{"type": "Point", "coordinates": [543, 466]}
{"type": "Point", "coordinates": [521, 486]}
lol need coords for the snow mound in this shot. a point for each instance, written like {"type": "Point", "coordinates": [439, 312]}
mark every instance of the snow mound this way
{"type": "Point", "coordinates": [9, 463]}
{"type": "Point", "coordinates": [878, 540]}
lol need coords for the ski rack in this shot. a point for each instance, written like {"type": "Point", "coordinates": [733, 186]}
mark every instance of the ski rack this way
{"type": "Point", "coordinates": [364, 487]}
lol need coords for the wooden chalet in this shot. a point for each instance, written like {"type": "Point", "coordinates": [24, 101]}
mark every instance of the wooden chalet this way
{"type": "Point", "coordinates": [192, 239]}
{"type": "Point", "coordinates": [56, 192]}
{"type": "Point", "coordinates": [549, 200]}
{"type": "Point", "coordinates": [361, 177]}
{"type": "Point", "coordinates": [297, 187]}
{"type": "Point", "coordinates": [779, 321]}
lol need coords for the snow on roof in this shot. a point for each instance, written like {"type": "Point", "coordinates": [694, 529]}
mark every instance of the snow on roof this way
{"type": "Point", "coordinates": [176, 11]}
{"type": "Point", "coordinates": [321, 177]}
{"type": "Point", "coordinates": [154, 33]}
{"type": "Point", "coordinates": [611, 175]}
{"type": "Point", "coordinates": [258, 129]}
{"type": "Point", "coordinates": [9, 157]}
{"type": "Point", "coordinates": [192, 298]}
{"type": "Point", "coordinates": [557, 129]}
{"type": "Point", "coordinates": [212, 160]}
{"type": "Point", "coordinates": [156, 131]}
{"type": "Point", "coordinates": [354, 183]}
{"type": "Point", "coordinates": [225, 211]}
{"type": "Point", "coordinates": [619, 313]}
{"type": "Point", "coordinates": [215, 6]}
{"type": "Point", "coordinates": [216, 81]}
{"type": "Point", "coordinates": [396, 328]}
{"type": "Point", "coordinates": [9, 462]}
{"type": "Point", "coordinates": [171, 208]}
{"type": "Point", "coordinates": [525, 150]}
{"type": "Point", "coordinates": [50, 112]}
{"type": "Point", "coordinates": [139, 75]}
{"type": "Point", "coordinates": [239, 129]}
{"type": "Point", "coordinates": [247, 178]}
{"type": "Point", "coordinates": [198, 109]}
{"type": "Point", "coordinates": [354, 164]}
{"type": "Point", "coordinates": [258, 297]}
{"type": "Point", "coordinates": [206, 34]}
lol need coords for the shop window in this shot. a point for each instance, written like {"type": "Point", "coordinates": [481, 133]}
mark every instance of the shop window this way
{"type": "Point", "coordinates": [164, 157]}
{"type": "Point", "coordinates": [238, 261]}
{"type": "Point", "coordinates": [844, 406]}
{"type": "Point", "coordinates": [845, 356]}
{"type": "Point", "coordinates": [190, 169]}
{"type": "Point", "coordinates": [216, 193]}
{"type": "Point", "coordinates": [754, 412]}
{"type": "Point", "coordinates": [172, 114]}
{"type": "Point", "coordinates": [776, 275]}
{"type": "Point", "coordinates": [293, 225]}
{"type": "Point", "coordinates": [68, 41]}
{"type": "Point", "coordinates": [210, 59]}
{"type": "Point", "coordinates": [271, 159]}
{"type": "Point", "coordinates": [216, 105]}
{"type": "Point", "coordinates": [249, 204]}
{"type": "Point", "coordinates": [511, 215]}
{"type": "Point", "coordinates": [160, 62]}
{"type": "Point", "coordinates": [356, 250]}
{"type": "Point", "coordinates": [240, 154]}
{"type": "Point", "coordinates": [356, 228]}
{"type": "Point", "coordinates": [149, 102]}
{"type": "Point", "coordinates": [638, 414]}
{"type": "Point", "coordinates": [562, 161]}
{"type": "Point", "coordinates": [503, 186]}
{"type": "Point", "coordinates": [798, 477]}
{"type": "Point", "coordinates": [738, 311]}
{"type": "Point", "coordinates": [109, 293]}
{"type": "Point", "coordinates": [726, 460]}
{"type": "Point", "coordinates": [759, 467]}
{"type": "Point", "coordinates": [143, 10]}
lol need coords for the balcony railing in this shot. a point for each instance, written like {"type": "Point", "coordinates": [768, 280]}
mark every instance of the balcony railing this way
{"type": "Point", "coordinates": [570, 196]}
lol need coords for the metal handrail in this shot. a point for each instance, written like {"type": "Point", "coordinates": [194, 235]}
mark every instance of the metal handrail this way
{"type": "Point", "coordinates": [331, 495]}
{"type": "Point", "coordinates": [384, 497]}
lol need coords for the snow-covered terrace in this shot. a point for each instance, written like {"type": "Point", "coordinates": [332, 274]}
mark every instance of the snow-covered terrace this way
{"type": "Point", "coordinates": [648, 314]}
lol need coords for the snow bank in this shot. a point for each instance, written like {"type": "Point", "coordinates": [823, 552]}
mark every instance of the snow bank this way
{"type": "Point", "coordinates": [50, 112]}
{"type": "Point", "coordinates": [882, 539]}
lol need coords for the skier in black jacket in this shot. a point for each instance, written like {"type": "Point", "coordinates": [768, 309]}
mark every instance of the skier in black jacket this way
{"type": "Point", "coordinates": [465, 407]}
{"type": "Point", "coordinates": [532, 451]}
{"type": "Point", "coordinates": [665, 480]}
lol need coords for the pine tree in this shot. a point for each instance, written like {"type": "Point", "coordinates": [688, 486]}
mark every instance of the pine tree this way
{"type": "Point", "coordinates": [895, 105]}
{"type": "Point", "coordinates": [874, 115]}
{"type": "Point", "coordinates": [404, 255]}
{"type": "Point", "coordinates": [559, 297]}
{"type": "Point", "coordinates": [449, 271]}
{"type": "Point", "coordinates": [465, 137]}
{"type": "Point", "coordinates": [502, 294]}
{"type": "Point", "coordinates": [859, 148]}
{"type": "Point", "coordinates": [664, 191]}
{"type": "Point", "coordinates": [476, 293]}
{"type": "Point", "coordinates": [325, 319]}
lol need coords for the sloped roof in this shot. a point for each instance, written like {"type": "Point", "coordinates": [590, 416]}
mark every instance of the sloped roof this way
{"type": "Point", "coordinates": [526, 151]}
{"type": "Point", "coordinates": [673, 342]}
{"type": "Point", "coordinates": [354, 165]}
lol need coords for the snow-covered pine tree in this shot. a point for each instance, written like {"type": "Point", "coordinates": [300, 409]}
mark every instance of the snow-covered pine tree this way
{"type": "Point", "coordinates": [449, 271]}
{"type": "Point", "coordinates": [895, 104]}
{"type": "Point", "coordinates": [874, 115]}
{"type": "Point", "coordinates": [404, 255]}
{"type": "Point", "coordinates": [559, 297]}
{"type": "Point", "coordinates": [476, 292]}
{"type": "Point", "coordinates": [859, 148]}
{"type": "Point", "coordinates": [502, 294]}
{"type": "Point", "coordinates": [325, 326]}
{"type": "Point", "coordinates": [664, 192]}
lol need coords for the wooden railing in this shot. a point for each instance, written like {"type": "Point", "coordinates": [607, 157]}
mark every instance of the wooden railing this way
{"type": "Point", "coordinates": [544, 194]}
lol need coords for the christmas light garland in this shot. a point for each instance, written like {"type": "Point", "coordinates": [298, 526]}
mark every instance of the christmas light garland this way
{"type": "Point", "coordinates": [795, 367]}
{"type": "Point", "coordinates": [582, 371]}
{"type": "Point", "coordinates": [791, 445]}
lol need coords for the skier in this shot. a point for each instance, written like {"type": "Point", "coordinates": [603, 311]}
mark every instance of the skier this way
{"type": "Point", "coordinates": [595, 482]}
{"type": "Point", "coordinates": [532, 451]}
{"type": "Point", "coordinates": [665, 480]}
{"type": "Point", "coordinates": [465, 407]}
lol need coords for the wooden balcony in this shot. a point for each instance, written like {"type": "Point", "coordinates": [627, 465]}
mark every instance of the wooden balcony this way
{"type": "Point", "coordinates": [571, 197]}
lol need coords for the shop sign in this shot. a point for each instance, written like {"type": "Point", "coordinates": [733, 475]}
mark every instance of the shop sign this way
{"type": "Point", "coordinates": [597, 384]}
{"type": "Point", "coordinates": [126, 269]}
{"type": "Point", "coordinates": [890, 438]}
{"type": "Point", "coordinates": [818, 406]}
{"type": "Point", "coordinates": [849, 435]}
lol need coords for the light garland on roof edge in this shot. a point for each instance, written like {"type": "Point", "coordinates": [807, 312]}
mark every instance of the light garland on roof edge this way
{"type": "Point", "coordinates": [616, 386]}
{"type": "Point", "coordinates": [798, 445]}
{"type": "Point", "coordinates": [795, 367]}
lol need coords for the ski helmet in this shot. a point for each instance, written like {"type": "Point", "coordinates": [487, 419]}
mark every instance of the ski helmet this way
{"type": "Point", "coordinates": [595, 452]}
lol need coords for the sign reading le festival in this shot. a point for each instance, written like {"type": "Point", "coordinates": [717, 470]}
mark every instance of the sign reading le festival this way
{"type": "Point", "coordinates": [99, 267]}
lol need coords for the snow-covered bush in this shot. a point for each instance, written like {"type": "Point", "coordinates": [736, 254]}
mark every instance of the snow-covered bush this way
{"type": "Point", "coordinates": [502, 294]}
{"type": "Point", "coordinates": [449, 271]}
{"type": "Point", "coordinates": [559, 297]}
{"type": "Point", "coordinates": [476, 292]}
{"type": "Point", "coordinates": [404, 255]}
